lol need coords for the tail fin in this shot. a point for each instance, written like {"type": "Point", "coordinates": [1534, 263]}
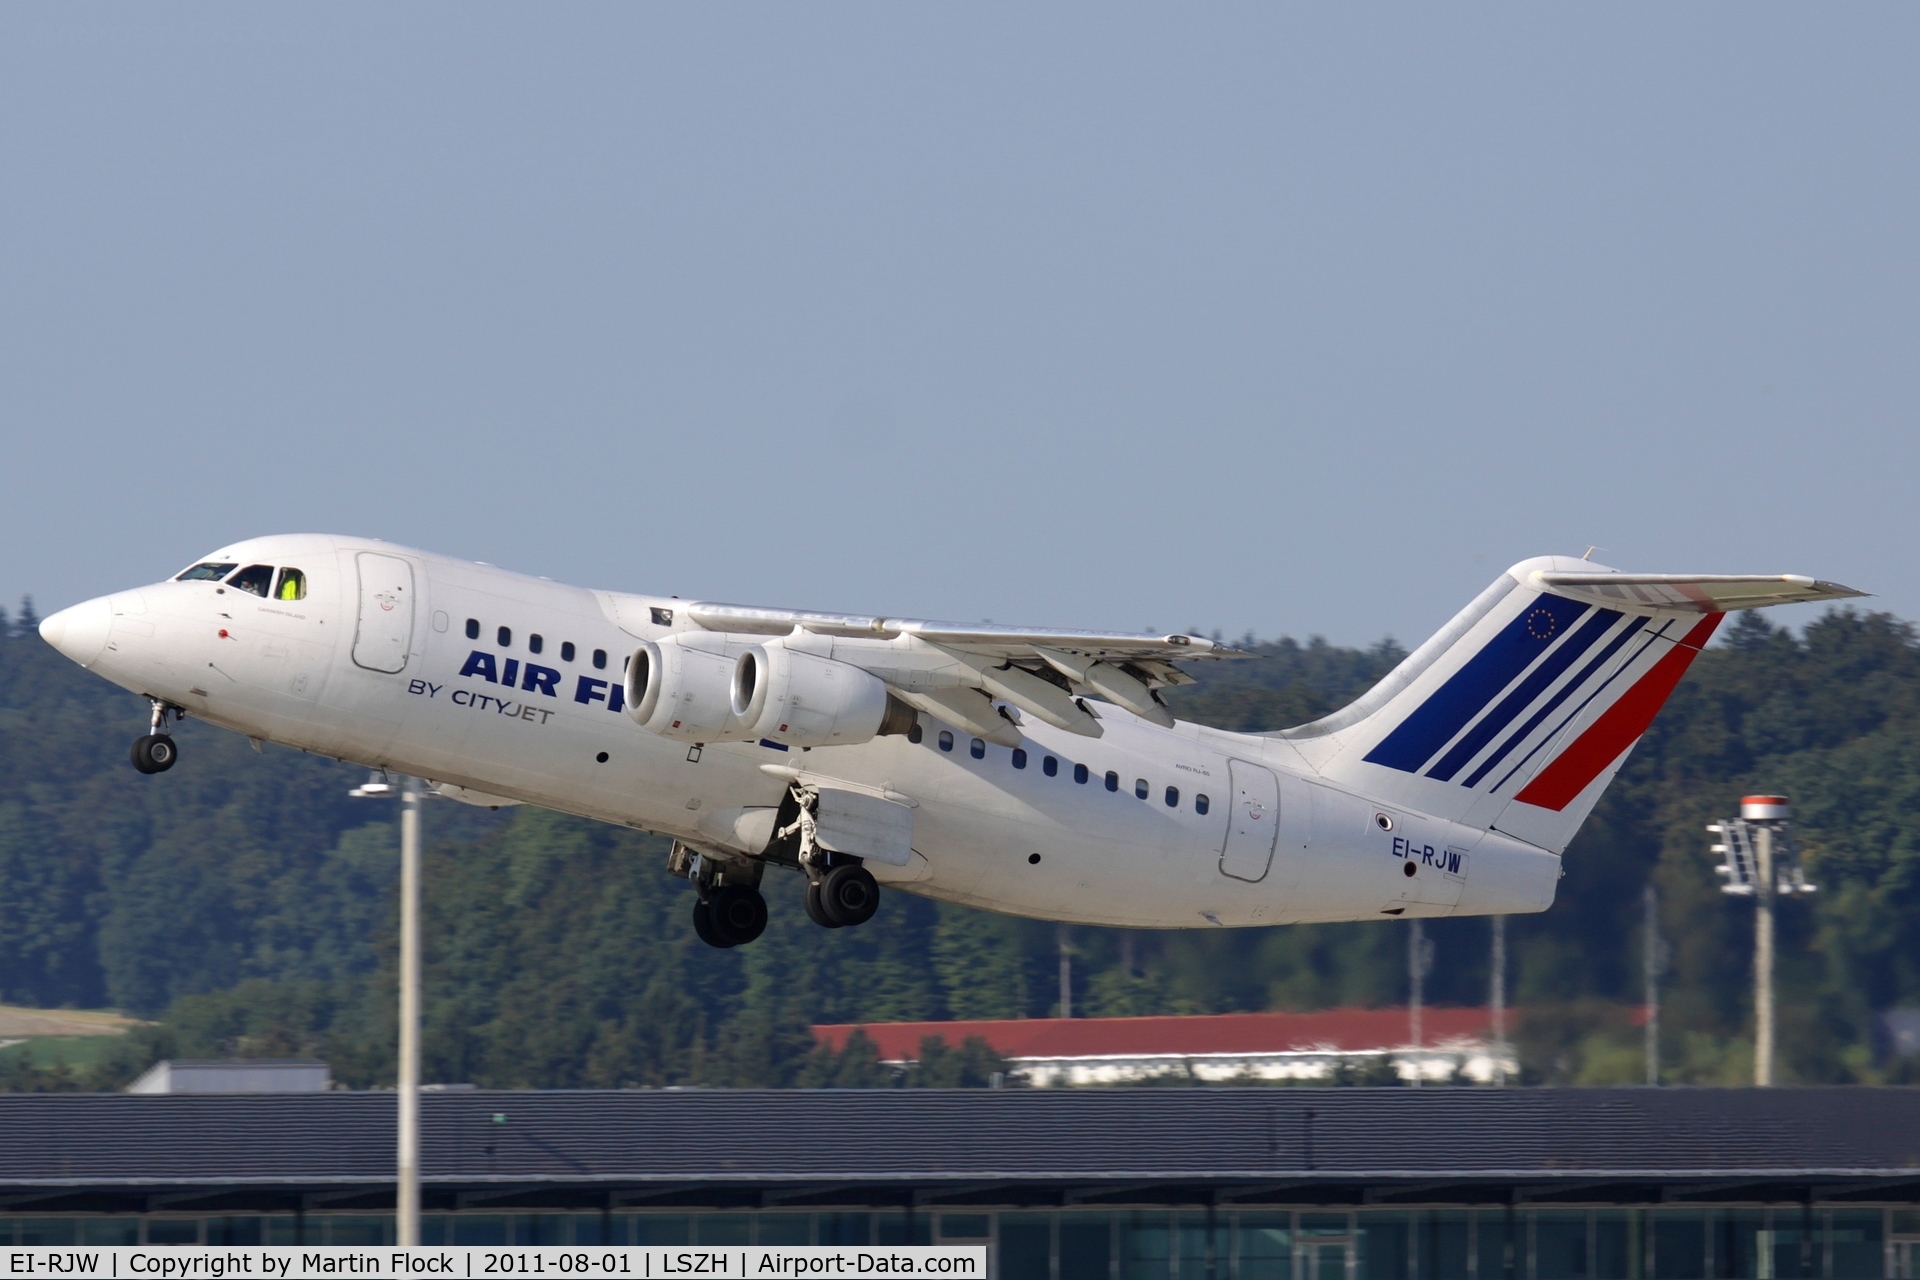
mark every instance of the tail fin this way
{"type": "Point", "coordinates": [1517, 714]}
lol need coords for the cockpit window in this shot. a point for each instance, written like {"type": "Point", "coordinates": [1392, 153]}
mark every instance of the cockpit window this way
{"type": "Point", "coordinates": [208, 572]}
{"type": "Point", "coordinates": [292, 585]}
{"type": "Point", "coordinates": [255, 578]}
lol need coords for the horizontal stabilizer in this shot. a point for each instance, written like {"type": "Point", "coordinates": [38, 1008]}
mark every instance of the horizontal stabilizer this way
{"type": "Point", "coordinates": [1694, 592]}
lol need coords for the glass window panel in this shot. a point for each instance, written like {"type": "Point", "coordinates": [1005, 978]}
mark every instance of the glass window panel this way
{"type": "Point", "coordinates": [1736, 1240]}
{"type": "Point", "coordinates": [1560, 1244]}
{"type": "Point", "coordinates": [946, 743]}
{"type": "Point", "coordinates": [255, 579]}
{"type": "Point", "coordinates": [965, 1226]}
{"type": "Point", "coordinates": [1019, 758]}
{"type": "Point", "coordinates": [567, 651]}
{"type": "Point", "coordinates": [1906, 1222]}
{"type": "Point", "coordinates": [1855, 1238]}
{"type": "Point", "coordinates": [231, 1231]}
{"type": "Point", "coordinates": [159, 1231]}
{"type": "Point", "coordinates": [844, 1228]}
{"type": "Point", "coordinates": [1026, 1246]}
{"type": "Point", "coordinates": [899, 1228]}
{"type": "Point", "coordinates": [67, 1231]}
{"type": "Point", "coordinates": [293, 586]}
{"type": "Point", "coordinates": [783, 1228]}
{"type": "Point", "coordinates": [736, 1228]}
{"type": "Point", "coordinates": [210, 571]}
{"type": "Point", "coordinates": [1140, 788]}
{"type": "Point", "coordinates": [596, 1228]}
{"type": "Point", "coordinates": [1616, 1244]}
{"type": "Point", "coordinates": [1191, 1244]}
{"type": "Point", "coordinates": [977, 749]}
{"type": "Point", "coordinates": [103, 1231]}
{"type": "Point", "coordinates": [1079, 773]}
{"type": "Point", "coordinates": [1146, 1246]}
{"type": "Point", "coordinates": [536, 642]}
{"type": "Point", "coordinates": [600, 659]}
{"type": "Point", "coordinates": [1679, 1244]}
{"type": "Point", "coordinates": [287, 1228]}
{"type": "Point", "coordinates": [1440, 1244]}
{"type": "Point", "coordinates": [1263, 1243]}
{"type": "Point", "coordinates": [543, 1228]}
{"type": "Point", "coordinates": [1173, 797]}
{"type": "Point", "coordinates": [1201, 804]}
{"type": "Point", "coordinates": [1794, 1243]}
{"type": "Point", "coordinates": [359, 1229]}
{"type": "Point", "coordinates": [1494, 1255]}
{"type": "Point", "coordinates": [505, 636]}
{"type": "Point", "coordinates": [1086, 1246]}
{"type": "Point", "coordinates": [485, 1228]}
{"type": "Point", "coordinates": [1113, 780]}
{"type": "Point", "coordinates": [473, 628]}
{"type": "Point", "coordinates": [1323, 1224]}
{"type": "Point", "coordinates": [662, 1228]}
{"type": "Point", "coordinates": [1050, 766]}
{"type": "Point", "coordinates": [914, 735]}
{"type": "Point", "coordinates": [1380, 1244]}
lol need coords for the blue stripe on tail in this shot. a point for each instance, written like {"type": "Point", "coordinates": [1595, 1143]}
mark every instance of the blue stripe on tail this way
{"type": "Point", "coordinates": [1434, 722]}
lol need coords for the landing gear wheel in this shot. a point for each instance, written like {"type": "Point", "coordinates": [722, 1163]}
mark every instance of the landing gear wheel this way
{"type": "Point", "coordinates": [703, 926]}
{"type": "Point", "coordinates": [738, 914]}
{"type": "Point", "coordinates": [817, 910]}
{"type": "Point", "coordinates": [849, 894]}
{"type": "Point", "coordinates": [154, 753]}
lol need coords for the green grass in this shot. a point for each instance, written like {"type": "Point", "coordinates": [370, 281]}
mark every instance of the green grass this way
{"type": "Point", "coordinates": [47, 1051]}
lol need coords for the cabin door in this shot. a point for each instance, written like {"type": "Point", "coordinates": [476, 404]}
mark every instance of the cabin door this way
{"type": "Point", "coordinates": [385, 632]}
{"type": "Point", "coordinates": [1254, 822]}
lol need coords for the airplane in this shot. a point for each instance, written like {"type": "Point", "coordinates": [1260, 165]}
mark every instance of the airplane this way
{"type": "Point", "coordinates": [1024, 770]}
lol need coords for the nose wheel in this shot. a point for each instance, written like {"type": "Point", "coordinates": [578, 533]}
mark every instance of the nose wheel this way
{"type": "Point", "coordinates": [155, 750]}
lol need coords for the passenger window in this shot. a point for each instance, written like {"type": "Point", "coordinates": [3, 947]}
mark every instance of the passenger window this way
{"type": "Point", "coordinates": [600, 659]}
{"type": "Point", "coordinates": [1200, 804]}
{"type": "Point", "coordinates": [292, 586]}
{"type": "Point", "coordinates": [1050, 766]}
{"type": "Point", "coordinates": [946, 740]}
{"type": "Point", "coordinates": [255, 579]}
{"type": "Point", "coordinates": [1019, 758]}
{"type": "Point", "coordinates": [536, 642]}
{"type": "Point", "coordinates": [208, 572]}
{"type": "Point", "coordinates": [914, 735]}
{"type": "Point", "coordinates": [1113, 780]}
{"type": "Point", "coordinates": [473, 628]}
{"type": "Point", "coordinates": [978, 749]}
{"type": "Point", "coordinates": [1079, 773]}
{"type": "Point", "coordinates": [1140, 788]}
{"type": "Point", "coordinates": [566, 651]}
{"type": "Point", "coordinates": [1173, 797]}
{"type": "Point", "coordinates": [505, 637]}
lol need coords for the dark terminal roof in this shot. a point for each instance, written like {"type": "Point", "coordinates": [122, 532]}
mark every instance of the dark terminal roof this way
{"type": "Point", "coordinates": [1145, 1145]}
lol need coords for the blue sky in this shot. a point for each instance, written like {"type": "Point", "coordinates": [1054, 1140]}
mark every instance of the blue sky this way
{"type": "Point", "coordinates": [1293, 319]}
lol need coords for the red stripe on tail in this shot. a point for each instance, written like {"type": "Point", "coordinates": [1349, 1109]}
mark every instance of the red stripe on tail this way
{"type": "Point", "coordinates": [1618, 727]}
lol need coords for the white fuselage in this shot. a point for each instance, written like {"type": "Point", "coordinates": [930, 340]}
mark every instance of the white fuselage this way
{"type": "Point", "coordinates": [984, 833]}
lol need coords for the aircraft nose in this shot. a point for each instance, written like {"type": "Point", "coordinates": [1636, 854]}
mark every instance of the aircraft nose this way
{"type": "Point", "coordinates": [80, 632]}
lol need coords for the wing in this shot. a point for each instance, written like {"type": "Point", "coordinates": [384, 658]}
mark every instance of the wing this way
{"type": "Point", "coordinates": [1698, 592]}
{"type": "Point", "coordinates": [960, 672]}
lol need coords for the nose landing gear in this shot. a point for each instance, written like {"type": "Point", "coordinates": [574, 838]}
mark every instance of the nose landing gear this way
{"type": "Point", "coordinates": [154, 751]}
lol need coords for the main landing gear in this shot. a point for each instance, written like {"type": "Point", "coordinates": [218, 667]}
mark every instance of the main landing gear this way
{"type": "Point", "coordinates": [840, 892]}
{"type": "Point", "coordinates": [730, 912]}
{"type": "Point", "coordinates": [155, 752]}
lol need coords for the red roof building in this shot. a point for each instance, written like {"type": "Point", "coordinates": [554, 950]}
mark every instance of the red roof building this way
{"type": "Point", "coordinates": [1217, 1047]}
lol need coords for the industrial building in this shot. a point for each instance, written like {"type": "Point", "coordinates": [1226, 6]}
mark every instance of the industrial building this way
{"type": "Point", "coordinates": [1167, 1183]}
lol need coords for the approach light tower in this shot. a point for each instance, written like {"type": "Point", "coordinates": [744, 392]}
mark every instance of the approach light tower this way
{"type": "Point", "coordinates": [1762, 863]}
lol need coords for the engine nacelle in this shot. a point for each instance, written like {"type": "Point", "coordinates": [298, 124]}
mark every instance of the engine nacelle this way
{"type": "Point", "coordinates": [802, 700]}
{"type": "Point", "coordinates": [683, 692]}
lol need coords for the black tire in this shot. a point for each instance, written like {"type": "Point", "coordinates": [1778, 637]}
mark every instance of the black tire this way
{"type": "Point", "coordinates": [849, 894]}
{"type": "Point", "coordinates": [703, 926]}
{"type": "Point", "coordinates": [738, 914]}
{"type": "Point", "coordinates": [817, 910]}
{"type": "Point", "coordinates": [154, 753]}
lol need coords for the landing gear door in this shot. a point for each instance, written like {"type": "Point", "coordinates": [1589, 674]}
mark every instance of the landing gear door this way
{"type": "Point", "coordinates": [1254, 823]}
{"type": "Point", "coordinates": [385, 632]}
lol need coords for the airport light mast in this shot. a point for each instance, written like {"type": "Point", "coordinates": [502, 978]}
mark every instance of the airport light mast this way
{"type": "Point", "coordinates": [406, 1191]}
{"type": "Point", "coordinates": [1761, 863]}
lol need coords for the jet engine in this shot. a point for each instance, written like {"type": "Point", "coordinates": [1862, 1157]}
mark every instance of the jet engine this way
{"type": "Point", "coordinates": [685, 692]}
{"type": "Point", "coordinates": [803, 700]}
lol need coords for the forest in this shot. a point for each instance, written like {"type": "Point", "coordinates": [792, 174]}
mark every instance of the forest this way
{"type": "Point", "coordinates": [242, 904]}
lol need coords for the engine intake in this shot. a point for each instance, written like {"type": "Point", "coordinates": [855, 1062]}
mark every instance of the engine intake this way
{"type": "Point", "coordinates": [684, 692]}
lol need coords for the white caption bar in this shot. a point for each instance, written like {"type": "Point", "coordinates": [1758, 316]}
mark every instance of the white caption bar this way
{"type": "Point", "coordinates": [291, 1262]}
